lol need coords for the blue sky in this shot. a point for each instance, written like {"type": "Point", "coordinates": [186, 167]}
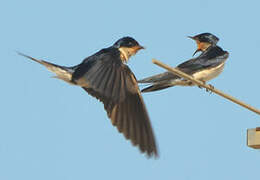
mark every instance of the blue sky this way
{"type": "Point", "coordinates": [51, 130]}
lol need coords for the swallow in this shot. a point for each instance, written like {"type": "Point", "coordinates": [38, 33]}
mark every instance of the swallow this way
{"type": "Point", "coordinates": [208, 65]}
{"type": "Point", "coordinates": [105, 76]}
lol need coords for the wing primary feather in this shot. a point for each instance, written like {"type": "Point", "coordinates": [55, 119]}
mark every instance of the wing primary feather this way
{"type": "Point", "coordinates": [120, 120]}
{"type": "Point", "coordinates": [106, 78]}
{"type": "Point", "coordinates": [125, 119]}
{"type": "Point", "coordinates": [123, 86]}
{"type": "Point", "coordinates": [115, 91]}
{"type": "Point", "coordinates": [92, 76]}
{"type": "Point", "coordinates": [115, 85]}
{"type": "Point", "coordinates": [110, 83]}
{"type": "Point", "coordinates": [139, 126]}
{"type": "Point", "coordinates": [102, 77]}
{"type": "Point", "coordinates": [132, 129]}
{"type": "Point", "coordinates": [113, 116]}
{"type": "Point", "coordinates": [125, 106]}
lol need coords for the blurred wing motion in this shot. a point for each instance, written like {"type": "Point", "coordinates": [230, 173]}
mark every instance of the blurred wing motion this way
{"type": "Point", "coordinates": [110, 81]}
{"type": "Point", "coordinates": [105, 76]}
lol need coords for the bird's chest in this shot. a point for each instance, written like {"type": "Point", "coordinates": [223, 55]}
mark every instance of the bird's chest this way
{"type": "Point", "coordinates": [209, 73]}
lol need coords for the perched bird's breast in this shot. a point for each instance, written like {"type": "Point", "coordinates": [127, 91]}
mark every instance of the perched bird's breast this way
{"type": "Point", "coordinates": [209, 73]}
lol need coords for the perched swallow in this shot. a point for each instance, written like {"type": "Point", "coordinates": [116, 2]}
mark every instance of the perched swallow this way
{"type": "Point", "coordinates": [208, 65]}
{"type": "Point", "coordinates": [106, 77]}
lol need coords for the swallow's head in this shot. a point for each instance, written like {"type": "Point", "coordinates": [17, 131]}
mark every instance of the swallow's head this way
{"type": "Point", "coordinates": [127, 46]}
{"type": "Point", "coordinates": [204, 41]}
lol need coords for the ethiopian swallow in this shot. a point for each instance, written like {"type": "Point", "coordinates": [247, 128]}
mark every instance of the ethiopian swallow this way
{"type": "Point", "coordinates": [106, 77]}
{"type": "Point", "coordinates": [208, 65]}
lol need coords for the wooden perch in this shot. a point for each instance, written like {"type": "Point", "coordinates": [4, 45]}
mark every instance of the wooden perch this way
{"type": "Point", "coordinates": [200, 83]}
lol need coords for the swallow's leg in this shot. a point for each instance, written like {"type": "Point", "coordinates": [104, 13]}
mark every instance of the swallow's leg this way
{"type": "Point", "coordinates": [208, 90]}
{"type": "Point", "coordinates": [204, 82]}
{"type": "Point", "coordinates": [212, 87]}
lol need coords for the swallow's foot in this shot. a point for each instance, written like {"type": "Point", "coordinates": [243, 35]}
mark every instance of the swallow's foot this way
{"type": "Point", "coordinates": [190, 83]}
{"type": "Point", "coordinates": [204, 82]}
{"type": "Point", "coordinates": [211, 86]}
{"type": "Point", "coordinates": [208, 90]}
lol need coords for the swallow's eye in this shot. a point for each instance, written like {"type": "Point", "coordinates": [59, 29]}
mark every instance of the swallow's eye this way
{"type": "Point", "coordinates": [130, 43]}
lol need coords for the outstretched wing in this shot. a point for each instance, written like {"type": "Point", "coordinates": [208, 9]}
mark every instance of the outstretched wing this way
{"type": "Point", "coordinates": [106, 78]}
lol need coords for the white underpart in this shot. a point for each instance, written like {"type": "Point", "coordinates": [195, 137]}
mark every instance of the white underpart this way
{"type": "Point", "coordinates": [209, 74]}
{"type": "Point", "coordinates": [62, 74]}
{"type": "Point", "coordinates": [204, 75]}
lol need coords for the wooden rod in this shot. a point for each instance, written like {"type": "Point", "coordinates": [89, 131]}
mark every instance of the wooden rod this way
{"type": "Point", "coordinates": [200, 83]}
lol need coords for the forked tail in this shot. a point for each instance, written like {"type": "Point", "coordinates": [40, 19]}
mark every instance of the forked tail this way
{"type": "Point", "coordinates": [159, 78]}
{"type": "Point", "coordinates": [156, 87]}
{"type": "Point", "coordinates": [62, 72]}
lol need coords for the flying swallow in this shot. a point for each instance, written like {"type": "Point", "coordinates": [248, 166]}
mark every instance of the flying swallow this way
{"type": "Point", "coordinates": [208, 65]}
{"type": "Point", "coordinates": [106, 77]}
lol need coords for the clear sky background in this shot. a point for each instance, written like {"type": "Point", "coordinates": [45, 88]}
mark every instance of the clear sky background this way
{"type": "Point", "coordinates": [51, 130]}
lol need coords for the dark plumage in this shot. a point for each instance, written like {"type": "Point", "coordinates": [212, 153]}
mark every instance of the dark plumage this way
{"type": "Point", "coordinates": [206, 37]}
{"type": "Point", "coordinates": [205, 67]}
{"type": "Point", "coordinates": [105, 77]}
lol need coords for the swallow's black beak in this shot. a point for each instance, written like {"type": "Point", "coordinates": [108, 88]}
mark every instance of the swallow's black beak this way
{"type": "Point", "coordinates": [191, 37]}
{"type": "Point", "coordinates": [196, 52]}
{"type": "Point", "coordinates": [140, 47]}
{"type": "Point", "coordinates": [137, 48]}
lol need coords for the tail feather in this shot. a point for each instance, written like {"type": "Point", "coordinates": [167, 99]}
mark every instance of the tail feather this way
{"type": "Point", "coordinates": [62, 72]}
{"type": "Point", "coordinates": [156, 87]}
{"type": "Point", "coordinates": [158, 78]}
{"type": "Point", "coordinates": [29, 57]}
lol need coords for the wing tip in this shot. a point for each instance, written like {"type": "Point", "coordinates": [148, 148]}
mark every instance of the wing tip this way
{"type": "Point", "coordinates": [152, 154]}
